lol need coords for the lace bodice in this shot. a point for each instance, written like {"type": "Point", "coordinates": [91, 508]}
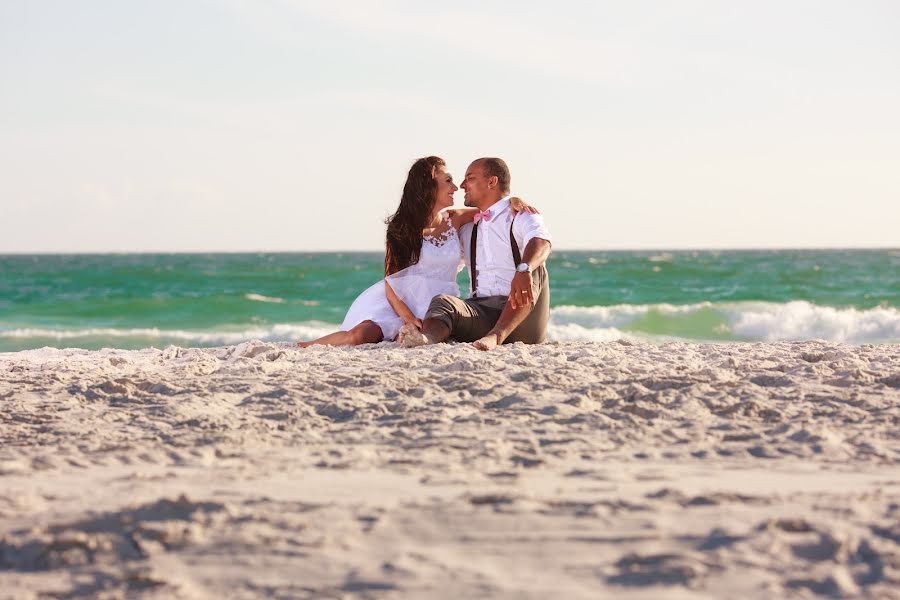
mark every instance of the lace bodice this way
{"type": "Point", "coordinates": [442, 237]}
{"type": "Point", "coordinates": [440, 257]}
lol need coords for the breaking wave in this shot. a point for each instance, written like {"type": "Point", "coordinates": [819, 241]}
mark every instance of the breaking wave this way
{"type": "Point", "coordinates": [740, 321]}
{"type": "Point", "coordinates": [724, 322]}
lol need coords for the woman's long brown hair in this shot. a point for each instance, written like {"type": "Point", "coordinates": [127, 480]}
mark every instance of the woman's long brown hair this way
{"type": "Point", "coordinates": [404, 227]}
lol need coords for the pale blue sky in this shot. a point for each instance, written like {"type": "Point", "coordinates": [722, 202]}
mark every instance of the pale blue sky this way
{"type": "Point", "coordinates": [289, 125]}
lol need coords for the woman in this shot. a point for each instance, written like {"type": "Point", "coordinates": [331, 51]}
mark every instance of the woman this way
{"type": "Point", "coordinates": [422, 257]}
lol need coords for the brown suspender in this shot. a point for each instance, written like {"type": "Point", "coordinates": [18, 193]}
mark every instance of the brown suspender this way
{"type": "Point", "coordinates": [517, 256]}
{"type": "Point", "coordinates": [472, 249]}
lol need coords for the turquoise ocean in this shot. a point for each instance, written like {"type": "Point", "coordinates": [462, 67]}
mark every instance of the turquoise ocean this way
{"type": "Point", "coordinates": [144, 300]}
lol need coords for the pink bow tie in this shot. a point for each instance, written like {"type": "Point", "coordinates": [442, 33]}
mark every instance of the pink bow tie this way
{"type": "Point", "coordinates": [486, 215]}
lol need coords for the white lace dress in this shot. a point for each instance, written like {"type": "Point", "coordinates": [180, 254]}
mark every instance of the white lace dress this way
{"type": "Point", "coordinates": [434, 274]}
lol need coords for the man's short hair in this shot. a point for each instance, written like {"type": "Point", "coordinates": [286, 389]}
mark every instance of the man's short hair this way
{"type": "Point", "coordinates": [496, 167]}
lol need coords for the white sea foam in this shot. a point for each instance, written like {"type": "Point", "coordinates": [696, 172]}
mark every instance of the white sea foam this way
{"type": "Point", "coordinates": [261, 298]}
{"type": "Point", "coordinates": [572, 332]}
{"type": "Point", "coordinates": [804, 321]}
{"type": "Point", "coordinates": [277, 332]}
{"type": "Point", "coordinates": [751, 321]}
{"type": "Point", "coordinates": [742, 321]}
{"type": "Point", "coordinates": [616, 315]}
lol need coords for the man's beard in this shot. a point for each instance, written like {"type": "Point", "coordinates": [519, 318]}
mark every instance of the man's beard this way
{"type": "Point", "coordinates": [467, 202]}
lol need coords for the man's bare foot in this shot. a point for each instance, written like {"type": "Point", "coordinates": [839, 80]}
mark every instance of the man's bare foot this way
{"type": "Point", "coordinates": [304, 344]}
{"type": "Point", "coordinates": [410, 337]}
{"type": "Point", "coordinates": [488, 342]}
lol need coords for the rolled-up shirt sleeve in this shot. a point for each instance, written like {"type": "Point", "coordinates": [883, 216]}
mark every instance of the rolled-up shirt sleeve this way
{"type": "Point", "coordinates": [527, 226]}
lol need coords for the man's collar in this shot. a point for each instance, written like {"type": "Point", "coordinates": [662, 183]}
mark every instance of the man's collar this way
{"type": "Point", "coordinates": [499, 206]}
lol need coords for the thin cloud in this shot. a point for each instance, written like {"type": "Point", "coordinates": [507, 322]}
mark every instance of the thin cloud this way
{"type": "Point", "coordinates": [620, 58]}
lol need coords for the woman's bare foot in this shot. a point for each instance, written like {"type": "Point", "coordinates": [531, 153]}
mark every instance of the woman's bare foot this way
{"type": "Point", "coordinates": [410, 336]}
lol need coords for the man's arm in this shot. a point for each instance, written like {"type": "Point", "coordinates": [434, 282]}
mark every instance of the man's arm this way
{"type": "Point", "coordinates": [521, 296]}
{"type": "Point", "coordinates": [521, 293]}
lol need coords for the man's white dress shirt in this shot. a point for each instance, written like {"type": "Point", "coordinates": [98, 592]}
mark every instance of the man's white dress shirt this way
{"type": "Point", "coordinates": [494, 258]}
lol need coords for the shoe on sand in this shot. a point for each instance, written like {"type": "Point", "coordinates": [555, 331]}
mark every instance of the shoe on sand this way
{"type": "Point", "coordinates": [410, 337]}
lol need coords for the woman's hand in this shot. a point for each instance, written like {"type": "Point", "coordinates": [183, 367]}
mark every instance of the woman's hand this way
{"type": "Point", "coordinates": [518, 205]}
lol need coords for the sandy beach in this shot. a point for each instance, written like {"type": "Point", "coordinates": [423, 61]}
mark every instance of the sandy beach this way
{"type": "Point", "coordinates": [565, 470]}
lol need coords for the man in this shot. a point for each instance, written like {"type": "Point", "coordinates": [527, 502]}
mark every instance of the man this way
{"type": "Point", "coordinates": [510, 300]}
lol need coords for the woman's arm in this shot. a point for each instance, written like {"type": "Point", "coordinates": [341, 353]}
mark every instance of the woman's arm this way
{"type": "Point", "coordinates": [400, 307]}
{"type": "Point", "coordinates": [462, 216]}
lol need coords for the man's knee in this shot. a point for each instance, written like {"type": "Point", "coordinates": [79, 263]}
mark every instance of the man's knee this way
{"type": "Point", "coordinates": [444, 302]}
{"type": "Point", "coordinates": [443, 308]}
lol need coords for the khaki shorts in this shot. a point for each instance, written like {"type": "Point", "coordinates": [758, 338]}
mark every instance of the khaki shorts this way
{"type": "Point", "coordinates": [472, 319]}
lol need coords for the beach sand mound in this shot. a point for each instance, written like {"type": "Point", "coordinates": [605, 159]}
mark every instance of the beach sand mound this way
{"type": "Point", "coordinates": [570, 470]}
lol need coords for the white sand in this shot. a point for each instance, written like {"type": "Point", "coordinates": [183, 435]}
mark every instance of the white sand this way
{"type": "Point", "coordinates": [576, 470]}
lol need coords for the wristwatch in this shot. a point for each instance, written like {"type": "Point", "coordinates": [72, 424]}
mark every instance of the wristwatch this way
{"type": "Point", "coordinates": [523, 267]}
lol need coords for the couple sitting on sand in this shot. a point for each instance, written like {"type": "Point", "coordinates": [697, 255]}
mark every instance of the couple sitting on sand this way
{"type": "Point", "coordinates": [427, 242]}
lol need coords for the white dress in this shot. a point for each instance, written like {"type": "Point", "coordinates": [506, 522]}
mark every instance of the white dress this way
{"type": "Point", "coordinates": [439, 262]}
